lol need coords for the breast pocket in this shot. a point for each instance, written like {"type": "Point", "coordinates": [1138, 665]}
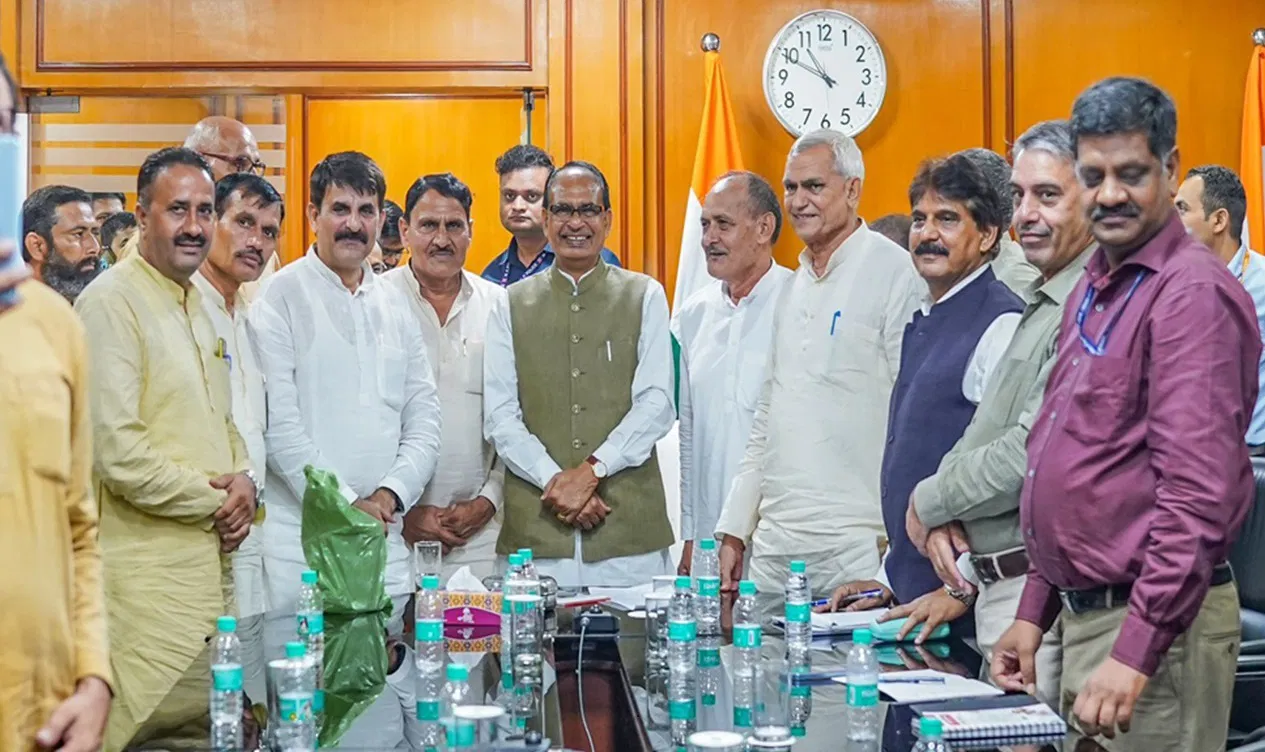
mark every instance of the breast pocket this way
{"type": "Point", "coordinates": [854, 352]}
{"type": "Point", "coordinates": [392, 365]}
{"type": "Point", "coordinates": [473, 375]}
{"type": "Point", "coordinates": [753, 370]}
{"type": "Point", "coordinates": [47, 421]}
{"type": "Point", "coordinates": [1103, 399]}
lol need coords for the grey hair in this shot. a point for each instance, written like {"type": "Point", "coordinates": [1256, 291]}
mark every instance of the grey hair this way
{"type": "Point", "coordinates": [1051, 136]}
{"type": "Point", "coordinates": [848, 161]}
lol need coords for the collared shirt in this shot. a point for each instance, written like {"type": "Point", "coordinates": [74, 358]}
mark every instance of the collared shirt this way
{"type": "Point", "coordinates": [979, 480]}
{"type": "Point", "coordinates": [508, 268]}
{"type": "Point", "coordinates": [628, 445]}
{"type": "Point", "coordinates": [467, 465]}
{"type": "Point", "coordinates": [724, 362]}
{"type": "Point", "coordinates": [244, 376]}
{"type": "Point", "coordinates": [1249, 268]}
{"type": "Point", "coordinates": [809, 479]}
{"type": "Point", "coordinates": [162, 428]}
{"type": "Point", "coordinates": [53, 621]}
{"type": "Point", "coordinates": [1012, 267]}
{"type": "Point", "coordinates": [1137, 468]}
{"type": "Point", "coordinates": [350, 390]}
{"type": "Point", "coordinates": [991, 346]}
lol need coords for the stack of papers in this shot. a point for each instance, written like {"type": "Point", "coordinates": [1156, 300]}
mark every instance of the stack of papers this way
{"type": "Point", "coordinates": [839, 622]}
{"type": "Point", "coordinates": [903, 686]}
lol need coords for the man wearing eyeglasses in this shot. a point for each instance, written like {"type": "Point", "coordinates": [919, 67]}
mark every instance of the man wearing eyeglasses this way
{"type": "Point", "coordinates": [227, 145]}
{"type": "Point", "coordinates": [578, 388]}
{"type": "Point", "coordinates": [1138, 476]}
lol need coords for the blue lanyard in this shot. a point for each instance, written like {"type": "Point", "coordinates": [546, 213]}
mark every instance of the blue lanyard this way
{"type": "Point", "coordinates": [531, 269]}
{"type": "Point", "coordinates": [1100, 347]}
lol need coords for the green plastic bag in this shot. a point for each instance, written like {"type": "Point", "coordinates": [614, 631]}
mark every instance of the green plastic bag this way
{"type": "Point", "coordinates": [345, 546]}
{"type": "Point", "coordinates": [355, 669]}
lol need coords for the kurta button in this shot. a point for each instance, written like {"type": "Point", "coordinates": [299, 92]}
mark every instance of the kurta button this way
{"type": "Point", "coordinates": [575, 308]}
{"type": "Point", "coordinates": [1098, 308]}
{"type": "Point", "coordinates": [575, 338]}
{"type": "Point", "coordinates": [1032, 473]}
{"type": "Point", "coordinates": [575, 373]}
{"type": "Point", "coordinates": [575, 409]}
{"type": "Point", "coordinates": [1076, 361]}
{"type": "Point", "coordinates": [575, 444]}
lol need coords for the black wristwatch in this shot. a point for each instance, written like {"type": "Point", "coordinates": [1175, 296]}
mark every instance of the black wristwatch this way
{"type": "Point", "coordinates": [965, 597]}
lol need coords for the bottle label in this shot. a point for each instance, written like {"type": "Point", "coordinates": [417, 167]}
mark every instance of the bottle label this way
{"type": "Point", "coordinates": [295, 707]}
{"type": "Point", "coordinates": [797, 612]}
{"type": "Point", "coordinates": [311, 623]}
{"type": "Point", "coordinates": [707, 658]}
{"type": "Point", "coordinates": [682, 631]}
{"type": "Point", "coordinates": [747, 636]}
{"type": "Point", "coordinates": [227, 677]}
{"type": "Point", "coordinates": [428, 710]}
{"type": "Point", "coordinates": [709, 700]}
{"type": "Point", "coordinates": [862, 695]}
{"type": "Point", "coordinates": [461, 733]}
{"type": "Point", "coordinates": [318, 701]}
{"type": "Point", "coordinates": [681, 710]}
{"type": "Point", "coordinates": [430, 630]}
{"type": "Point", "coordinates": [801, 690]}
{"type": "Point", "coordinates": [709, 586]}
{"type": "Point", "coordinates": [742, 717]}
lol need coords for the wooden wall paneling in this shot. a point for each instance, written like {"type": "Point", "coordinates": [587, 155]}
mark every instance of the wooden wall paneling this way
{"type": "Point", "coordinates": [1200, 59]}
{"type": "Point", "coordinates": [275, 45]}
{"type": "Point", "coordinates": [934, 104]}
{"type": "Point", "coordinates": [9, 35]}
{"type": "Point", "coordinates": [412, 136]}
{"type": "Point", "coordinates": [294, 232]}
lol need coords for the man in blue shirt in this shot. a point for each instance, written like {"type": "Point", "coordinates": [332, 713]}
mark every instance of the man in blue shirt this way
{"type": "Point", "coordinates": [1212, 204]}
{"type": "Point", "coordinates": [524, 169]}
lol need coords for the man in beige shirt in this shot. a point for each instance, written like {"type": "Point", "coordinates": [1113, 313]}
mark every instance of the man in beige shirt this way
{"type": "Point", "coordinates": [808, 485]}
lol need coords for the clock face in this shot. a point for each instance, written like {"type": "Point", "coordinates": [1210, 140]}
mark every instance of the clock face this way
{"type": "Point", "coordinates": [824, 69]}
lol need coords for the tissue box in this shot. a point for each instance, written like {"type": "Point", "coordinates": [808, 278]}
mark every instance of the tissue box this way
{"type": "Point", "coordinates": [464, 609]}
{"type": "Point", "coordinates": [462, 639]}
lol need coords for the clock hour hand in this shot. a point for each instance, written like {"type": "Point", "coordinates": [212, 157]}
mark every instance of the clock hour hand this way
{"type": "Point", "coordinates": [830, 82]}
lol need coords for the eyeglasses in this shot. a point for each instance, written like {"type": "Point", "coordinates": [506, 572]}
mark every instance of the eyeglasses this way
{"type": "Point", "coordinates": [240, 164]}
{"type": "Point", "coordinates": [567, 212]}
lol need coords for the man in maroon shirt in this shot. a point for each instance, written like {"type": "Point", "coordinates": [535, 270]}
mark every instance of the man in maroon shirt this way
{"type": "Point", "coordinates": [1138, 475]}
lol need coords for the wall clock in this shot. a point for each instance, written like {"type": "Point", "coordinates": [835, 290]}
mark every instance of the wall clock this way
{"type": "Point", "coordinates": [825, 69]}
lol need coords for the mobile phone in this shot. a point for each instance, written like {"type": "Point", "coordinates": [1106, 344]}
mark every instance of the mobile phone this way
{"type": "Point", "coordinates": [11, 189]}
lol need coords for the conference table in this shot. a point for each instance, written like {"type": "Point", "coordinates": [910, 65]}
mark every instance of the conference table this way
{"type": "Point", "coordinates": [369, 681]}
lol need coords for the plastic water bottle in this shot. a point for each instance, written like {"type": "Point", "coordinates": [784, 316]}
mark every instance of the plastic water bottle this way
{"type": "Point", "coordinates": [799, 630]}
{"type": "Point", "coordinates": [710, 674]}
{"type": "Point", "coordinates": [682, 635]}
{"type": "Point", "coordinates": [530, 627]}
{"type": "Point", "coordinates": [226, 686]}
{"type": "Point", "coordinates": [510, 585]}
{"type": "Point", "coordinates": [931, 736]}
{"type": "Point", "coordinates": [311, 629]}
{"type": "Point", "coordinates": [801, 704]}
{"type": "Point", "coordinates": [296, 690]}
{"type": "Point", "coordinates": [460, 731]}
{"type": "Point", "coordinates": [429, 652]}
{"type": "Point", "coordinates": [747, 641]}
{"type": "Point", "coordinates": [705, 567]}
{"type": "Point", "coordinates": [863, 707]}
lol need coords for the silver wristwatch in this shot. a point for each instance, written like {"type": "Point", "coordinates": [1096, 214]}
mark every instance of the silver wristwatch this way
{"type": "Point", "coordinates": [965, 597]}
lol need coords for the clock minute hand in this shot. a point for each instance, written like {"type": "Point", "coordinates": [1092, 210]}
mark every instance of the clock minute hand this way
{"type": "Point", "coordinates": [830, 82]}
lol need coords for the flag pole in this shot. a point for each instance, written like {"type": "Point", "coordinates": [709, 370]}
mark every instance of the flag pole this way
{"type": "Point", "coordinates": [711, 42]}
{"type": "Point", "coordinates": [1258, 37]}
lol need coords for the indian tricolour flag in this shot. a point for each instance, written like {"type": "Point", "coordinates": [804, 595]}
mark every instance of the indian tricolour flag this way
{"type": "Point", "coordinates": [1252, 169]}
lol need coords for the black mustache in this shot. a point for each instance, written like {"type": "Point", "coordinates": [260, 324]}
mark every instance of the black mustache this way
{"type": "Point", "coordinates": [352, 235]}
{"type": "Point", "coordinates": [931, 249]}
{"type": "Point", "coordinates": [187, 239]}
{"type": "Point", "coordinates": [1123, 210]}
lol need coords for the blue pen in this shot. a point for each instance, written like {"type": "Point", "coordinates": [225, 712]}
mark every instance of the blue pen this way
{"type": "Point", "coordinates": [834, 320]}
{"type": "Point", "coordinates": [851, 598]}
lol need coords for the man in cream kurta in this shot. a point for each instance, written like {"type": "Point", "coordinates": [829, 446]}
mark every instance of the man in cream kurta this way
{"type": "Point", "coordinates": [451, 307]}
{"type": "Point", "coordinates": [808, 486]}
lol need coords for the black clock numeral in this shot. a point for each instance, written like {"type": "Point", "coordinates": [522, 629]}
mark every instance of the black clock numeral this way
{"type": "Point", "coordinates": [825, 121]}
{"type": "Point", "coordinates": [860, 54]}
{"type": "Point", "coordinates": [789, 102]}
{"type": "Point", "coordinates": [866, 77]}
{"type": "Point", "coordinates": [823, 33]}
{"type": "Point", "coordinates": [845, 117]}
{"type": "Point", "coordinates": [791, 54]}
{"type": "Point", "coordinates": [781, 76]}
{"type": "Point", "coordinates": [845, 36]}
{"type": "Point", "coordinates": [808, 114]}
{"type": "Point", "coordinates": [805, 37]}
{"type": "Point", "coordinates": [861, 100]}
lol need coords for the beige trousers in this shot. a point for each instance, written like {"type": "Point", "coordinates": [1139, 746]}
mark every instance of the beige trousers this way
{"type": "Point", "coordinates": [827, 570]}
{"type": "Point", "coordinates": [1185, 706]}
{"type": "Point", "coordinates": [994, 613]}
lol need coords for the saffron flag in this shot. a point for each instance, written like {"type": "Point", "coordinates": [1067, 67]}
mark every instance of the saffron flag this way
{"type": "Point", "coordinates": [717, 154]}
{"type": "Point", "coordinates": [1252, 167]}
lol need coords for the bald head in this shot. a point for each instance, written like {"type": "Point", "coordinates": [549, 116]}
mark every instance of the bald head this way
{"type": "Point", "coordinates": [227, 144]}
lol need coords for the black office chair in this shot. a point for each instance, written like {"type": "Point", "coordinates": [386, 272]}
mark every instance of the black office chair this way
{"type": "Point", "coordinates": [1247, 714]}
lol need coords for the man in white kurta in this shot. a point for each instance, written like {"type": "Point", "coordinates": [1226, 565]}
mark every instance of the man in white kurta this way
{"type": "Point", "coordinates": [248, 213]}
{"type": "Point", "coordinates": [349, 386]}
{"type": "Point", "coordinates": [808, 484]}
{"type": "Point", "coordinates": [451, 308]}
{"type": "Point", "coordinates": [725, 331]}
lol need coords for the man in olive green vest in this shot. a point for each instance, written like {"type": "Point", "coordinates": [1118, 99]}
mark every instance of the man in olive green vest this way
{"type": "Point", "coordinates": [578, 375]}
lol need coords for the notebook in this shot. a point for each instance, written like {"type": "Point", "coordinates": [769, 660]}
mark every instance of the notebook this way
{"type": "Point", "coordinates": [994, 718]}
{"type": "Point", "coordinates": [838, 622]}
{"type": "Point", "coordinates": [902, 686]}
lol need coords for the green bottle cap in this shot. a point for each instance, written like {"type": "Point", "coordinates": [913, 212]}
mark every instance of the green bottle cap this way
{"type": "Point", "coordinates": [309, 576]}
{"type": "Point", "coordinates": [295, 650]}
{"type": "Point", "coordinates": [746, 587]}
{"type": "Point", "coordinates": [525, 553]}
{"type": "Point", "coordinates": [457, 672]}
{"type": "Point", "coordinates": [930, 728]}
{"type": "Point", "coordinates": [707, 544]}
{"type": "Point", "coordinates": [226, 624]}
{"type": "Point", "coordinates": [430, 582]}
{"type": "Point", "coordinates": [682, 582]}
{"type": "Point", "coordinates": [798, 566]}
{"type": "Point", "coordinates": [516, 560]}
{"type": "Point", "coordinates": [863, 637]}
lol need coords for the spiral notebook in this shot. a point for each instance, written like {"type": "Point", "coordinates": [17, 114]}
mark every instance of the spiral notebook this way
{"type": "Point", "coordinates": [995, 718]}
